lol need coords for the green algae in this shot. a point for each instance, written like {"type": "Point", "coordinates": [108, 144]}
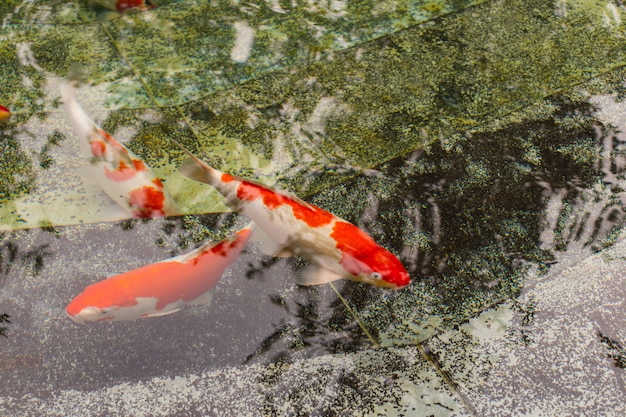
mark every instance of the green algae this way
{"type": "Point", "coordinates": [468, 214]}
{"type": "Point", "coordinates": [311, 126]}
{"type": "Point", "coordinates": [423, 84]}
{"type": "Point", "coordinates": [57, 47]}
{"type": "Point", "coordinates": [16, 175]}
{"type": "Point", "coordinates": [189, 56]}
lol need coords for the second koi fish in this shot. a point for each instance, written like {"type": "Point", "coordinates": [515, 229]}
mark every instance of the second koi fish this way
{"type": "Point", "coordinates": [335, 248]}
{"type": "Point", "coordinates": [160, 288]}
{"type": "Point", "coordinates": [137, 5]}
{"type": "Point", "coordinates": [122, 175]}
{"type": "Point", "coordinates": [4, 113]}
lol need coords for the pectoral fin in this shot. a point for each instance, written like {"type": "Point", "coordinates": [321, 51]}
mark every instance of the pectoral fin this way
{"type": "Point", "coordinates": [161, 313]}
{"type": "Point", "coordinates": [86, 173]}
{"type": "Point", "coordinates": [315, 275]}
{"type": "Point", "coordinates": [203, 299]}
{"type": "Point", "coordinates": [268, 245]}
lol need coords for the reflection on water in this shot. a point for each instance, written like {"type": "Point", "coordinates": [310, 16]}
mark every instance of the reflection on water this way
{"type": "Point", "coordinates": [470, 214]}
{"type": "Point", "coordinates": [316, 326]}
{"type": "Point", "coordinates": [16, 174]}
{"type": "Point", "coordinates": [477, 211]}
{"type": "Point", "coordinates": [31, 259]}
{"type": "Point", "coordinates": [615, 350]}
{"type": "Point", "coordinates": [4, 318]}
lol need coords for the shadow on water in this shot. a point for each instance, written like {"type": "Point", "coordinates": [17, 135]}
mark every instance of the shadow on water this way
{"type": "Point", "coordinates": [12, 256]}
{"type": "Point", "coordinates": [469, 216]}
{"type": "Point", "coordinates": [312, 327]}
{"type": "Point", "coordinates": [478, 203]}
{"type": "Point", "coordinates": [4, 318]}
{"type": "Point", "coordinates": [616, 351]}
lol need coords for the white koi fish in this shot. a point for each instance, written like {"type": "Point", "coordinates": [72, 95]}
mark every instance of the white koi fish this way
{"type": "Point", "coordinates": [335, 248]}
{"type": "Point", "coordinates": [122, 175]}
{"type": "Point", "coordinates": [160, 288]}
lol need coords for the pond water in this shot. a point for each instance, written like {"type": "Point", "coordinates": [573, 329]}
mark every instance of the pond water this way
{"type": "Point", "coordinates": [481, 142]}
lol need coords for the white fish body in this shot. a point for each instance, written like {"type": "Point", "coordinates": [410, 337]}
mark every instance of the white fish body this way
{"type": "Point", "coordinates": [122, 175]}
{"type": "Point", "coordinates": [335, 248]}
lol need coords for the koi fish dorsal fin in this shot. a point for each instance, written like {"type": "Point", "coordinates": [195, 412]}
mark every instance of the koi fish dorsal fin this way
{"type": "Point", "coordinates": [315, 275]}
{"type": "Point", "coordinates": [184, 258]}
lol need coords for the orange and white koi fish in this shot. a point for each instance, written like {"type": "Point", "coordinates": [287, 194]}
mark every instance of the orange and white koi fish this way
{"type": "Point", "coordinates": [4, 113]}
{"type": "Point", "coordinates": [335, 248]}
{"type": "Point", "coordinates": [136, 5]}
{"type": "Point", "coordinates": [117, 8]}
{"type": "Point", "coordinates": [160, 288]}
{"type": "Point", "coordinates": [122, 175]}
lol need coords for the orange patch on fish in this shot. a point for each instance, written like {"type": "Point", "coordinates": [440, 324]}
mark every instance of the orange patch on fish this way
{"type": "Point", "coordinates": [169, 283]}
{"type": "Point", "coordinates": [148, 199]}
{"type": "Point", "coordinates": [355, 244]}
{"type": "Point", "coordinates": [122, 173]}
{"type": "Point", "coordinates": [4, 113]}
{"type": "Point", "coordinates": [98, 148]}
{"type": "Point", "coordinates": [141, 5]}
{"type": "Point", "coordinates": [117, 169]}
{"type": "Point", "coordinates": [308, 213]}
{"type": "Point", "coordinates": [139, 165]}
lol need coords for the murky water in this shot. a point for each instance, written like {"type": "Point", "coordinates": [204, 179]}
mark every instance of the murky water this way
{"type": "Point", "coordinates": [481, 142]}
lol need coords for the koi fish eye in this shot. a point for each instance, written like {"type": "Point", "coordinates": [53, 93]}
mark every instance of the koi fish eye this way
{"type": "Point", "coordinates": [376, 275]}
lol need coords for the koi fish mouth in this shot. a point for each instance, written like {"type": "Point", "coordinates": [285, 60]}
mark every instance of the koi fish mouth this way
{"type": "Point", "coordinates": [88, 314]}
{"type": "Point", "coordinates": [366, 278]}
{"type": "Point", "coordinates": [75, 319]}
{"type": "Point", "coordinates": [389, 285]}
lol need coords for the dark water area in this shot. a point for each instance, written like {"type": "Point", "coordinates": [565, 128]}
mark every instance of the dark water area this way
{"type": "Point", "coordinates": [479, 141]}
{"type": "Point", "coordinates": [467, 216]}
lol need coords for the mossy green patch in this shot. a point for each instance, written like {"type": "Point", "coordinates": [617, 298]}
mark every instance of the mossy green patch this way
{"type": "Point", "coordinates": [57, 47]}
{"type": "Point", "coordinates": [184, 56]}
{"type": "Point", "coordinates": [468, 215]}
{"type": "Point", "coordinates": [16, 174]}
{"type": "Point", "coordinates": [366, 105]}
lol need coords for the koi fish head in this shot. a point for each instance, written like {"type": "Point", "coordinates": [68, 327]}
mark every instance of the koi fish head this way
{"type": "Point", "coordinates": [99, 302]}
{"type": "Point", "coordinates": [387, 272]}
{"type": "Point", "coordinates": [367, 261]}
{"type": "Point", "coordinates": [90, 314]}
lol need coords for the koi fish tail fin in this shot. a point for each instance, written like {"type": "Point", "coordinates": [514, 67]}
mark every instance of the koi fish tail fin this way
{"type": "Point", "coordinates": [75, 76]}
{"type": "Point", "coordinates": [196, 169]}
{"type": "Point", "coordinates": [68, 91]}
{"type": "Point", "coordinates": [82, 125]}
{"type": "Point", "coordinates": [190, 168]}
